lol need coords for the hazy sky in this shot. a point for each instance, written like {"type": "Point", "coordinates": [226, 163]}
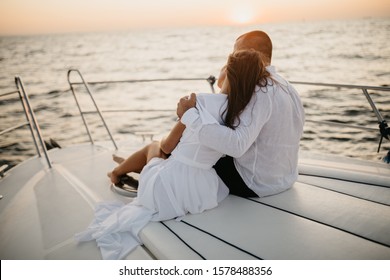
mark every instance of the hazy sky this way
{"type": "Point", "coordinates": [43, 16]}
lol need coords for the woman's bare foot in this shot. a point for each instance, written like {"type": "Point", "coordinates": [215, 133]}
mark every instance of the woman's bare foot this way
{"type": "Point", "coordinates": [118, 159]}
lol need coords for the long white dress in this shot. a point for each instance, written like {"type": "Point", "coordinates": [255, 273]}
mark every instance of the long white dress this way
{"type": "Point", "coordinates": [183, 183]}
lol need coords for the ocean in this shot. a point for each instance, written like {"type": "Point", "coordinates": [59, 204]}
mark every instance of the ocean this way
{"type": "Point", "coordinates": [343, 52]}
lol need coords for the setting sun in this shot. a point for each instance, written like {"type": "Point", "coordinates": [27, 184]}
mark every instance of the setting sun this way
{"type": "Point", "coordinates": [48, 16]}
{"type": "Point", "coordinates": [242, 14]}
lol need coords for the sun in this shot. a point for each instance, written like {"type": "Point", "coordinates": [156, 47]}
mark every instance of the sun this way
{"type": "Point", "coordinates": [242, 14]}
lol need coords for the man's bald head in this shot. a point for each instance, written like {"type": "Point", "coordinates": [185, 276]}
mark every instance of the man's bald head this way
{"type": "Point", "coordinates": [257, 40]}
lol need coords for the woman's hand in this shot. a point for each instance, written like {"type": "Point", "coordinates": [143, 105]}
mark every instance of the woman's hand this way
{"type": "Point", "coordinates": [114, 177]}
{"type": "Point", "coordinates": [184, 104]}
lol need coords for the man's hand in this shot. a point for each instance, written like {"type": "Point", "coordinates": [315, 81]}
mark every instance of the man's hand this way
{"type": "Point", "coordinates": [185, 103]}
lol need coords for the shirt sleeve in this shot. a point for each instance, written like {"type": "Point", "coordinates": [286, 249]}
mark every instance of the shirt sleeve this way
{"type": "Point", "coordinates": [190, 117]}
{"type": "Point", "coordinates": [232, 142]}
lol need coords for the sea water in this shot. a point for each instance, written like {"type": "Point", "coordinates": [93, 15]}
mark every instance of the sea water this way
{"type": "Point", "coordinates": [343, 52]}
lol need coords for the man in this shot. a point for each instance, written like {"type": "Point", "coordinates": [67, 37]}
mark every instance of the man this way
{"type": "Point", "coordinates": [262, 152]}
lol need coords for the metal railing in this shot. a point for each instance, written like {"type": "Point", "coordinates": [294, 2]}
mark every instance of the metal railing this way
{"type": "Point", "coordinates": [31, 121]}
{"type": "Point", "coordinates": [383, 127]}
{"type": "Point", "coordinates": [211, 80]}
{"type": "Point", "coordinates": [39, 144]}
{"type": "Point", "coordinates": [71, 84]}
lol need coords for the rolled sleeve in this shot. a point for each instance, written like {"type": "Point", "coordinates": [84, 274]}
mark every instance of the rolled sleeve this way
{"type": "Point", "coordinates": [189, 117]}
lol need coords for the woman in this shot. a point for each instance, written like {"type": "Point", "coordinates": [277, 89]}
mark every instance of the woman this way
{"type": "Point", "coordinates": [184, 182]}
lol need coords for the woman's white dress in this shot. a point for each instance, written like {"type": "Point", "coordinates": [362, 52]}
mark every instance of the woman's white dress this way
{"type": "Point", "coordinates": [183, 183]}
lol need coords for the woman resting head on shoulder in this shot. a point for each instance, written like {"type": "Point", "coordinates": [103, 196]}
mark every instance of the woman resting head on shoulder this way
{"type": "Point", "coordinates": [245, 69]}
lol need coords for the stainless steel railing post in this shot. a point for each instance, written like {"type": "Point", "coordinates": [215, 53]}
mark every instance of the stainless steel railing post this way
{"type": "Point", "coordinates": [80, 110]}
{"type": "Point", "coordinates": [383, 127]}
{"type": "Point", "coordinates": [95, 104]}
{"type": "Point", "coordinates": [30, 115]}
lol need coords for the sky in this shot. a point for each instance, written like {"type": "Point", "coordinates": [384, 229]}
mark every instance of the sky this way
{"type": "Point", "coordinates": [57, 16]}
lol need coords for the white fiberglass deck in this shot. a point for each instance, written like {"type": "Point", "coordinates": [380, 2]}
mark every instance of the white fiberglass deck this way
{"type": "Point", "coordinates": [338, 209]}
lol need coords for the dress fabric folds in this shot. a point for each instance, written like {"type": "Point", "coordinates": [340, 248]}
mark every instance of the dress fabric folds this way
{"type": "Point", "coordinates": [183, 183]}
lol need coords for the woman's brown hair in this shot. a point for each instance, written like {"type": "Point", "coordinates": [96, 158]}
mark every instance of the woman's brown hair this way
{"type": "Point", "coordinates": [244, 70]}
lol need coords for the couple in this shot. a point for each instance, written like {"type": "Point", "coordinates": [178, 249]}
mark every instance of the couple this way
{"type": "Point", "coordinates": [256, 121]}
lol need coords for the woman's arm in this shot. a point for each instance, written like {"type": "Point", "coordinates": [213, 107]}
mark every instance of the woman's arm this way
{"type": "Point", "coordinates": [169, 143]}
{"type": "Point", "coordinates": [232, 142]}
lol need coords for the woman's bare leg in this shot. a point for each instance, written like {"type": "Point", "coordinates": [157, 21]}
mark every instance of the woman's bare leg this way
{"type": "Point", "coordinates": [137, 161]}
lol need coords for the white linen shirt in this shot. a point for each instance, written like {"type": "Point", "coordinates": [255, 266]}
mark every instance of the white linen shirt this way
{"type": "Point", "coordinates": [265, 145]}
